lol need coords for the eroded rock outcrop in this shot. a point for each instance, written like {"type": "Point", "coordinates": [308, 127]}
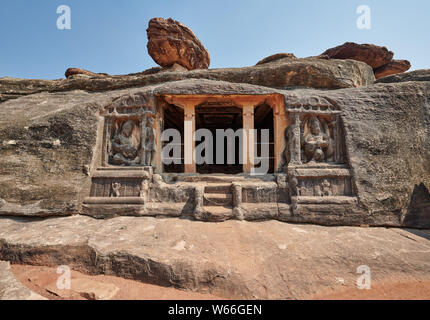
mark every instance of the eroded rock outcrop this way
{"type": "Point", "coordinates": [283, 73]}
{"type": "Point", "coordinates": [379, 58]}
{"type": "Point", "coordinates": [375, 56]}
{"type": "Point", "coordinates": [417, 75]}
{"type": "Point", "coordinates": [77, 71]}
{"type": "Point", "coordinates": [393, 67]}
{"type": "Point", "coordinates": [275, 57]}
{"type": "Point", "coordinates": [171, 42]}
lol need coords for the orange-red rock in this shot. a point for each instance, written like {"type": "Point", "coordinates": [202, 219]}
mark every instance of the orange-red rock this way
{"type": "Point", "coordinates": [394, 67]}
{"type": "Point", "coordinates": [171, 42]}
{"type": "Point", "coordinates": [374, 56]}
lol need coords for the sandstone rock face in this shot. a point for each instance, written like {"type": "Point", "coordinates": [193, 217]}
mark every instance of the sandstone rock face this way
{"type": "Point", "coordinates": [283, 73]}
{"type": "Point", "coordinates": [380, 151]}
{"type": "Point", "coordinates": [393, 67]}
{"type": "Point", "coordinates": [75, 71]}
{"type": "Point", "coordinates": [275, 57]}
{"type": "Point", "coordinates": [171, 42]}
{"type": "Point", "coordinates": [374, 56]}
{"type": "Point", "coordinates": [48, 139]}
{"type": "Point", "coordinates": [234, 259]}
{"type": "Point", "coordinates": [417, 75]}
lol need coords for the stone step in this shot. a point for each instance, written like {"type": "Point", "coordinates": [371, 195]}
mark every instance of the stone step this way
{"type": "Point", "coordinates": [221, 178]}
{"type": "Point", "coordinates": [217, 199]}
{"type": "Point", "coordinates": [218, 213]}
{"type": "Point", "coordinates": [218, 188]}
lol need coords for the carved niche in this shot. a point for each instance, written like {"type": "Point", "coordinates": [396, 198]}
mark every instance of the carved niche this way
{"type": "Point", "coordinates": [314, 139]}
{"type": "Point", "coordinates": [129, 131]}
{"type": "Point", "coordinates": [315, 153]}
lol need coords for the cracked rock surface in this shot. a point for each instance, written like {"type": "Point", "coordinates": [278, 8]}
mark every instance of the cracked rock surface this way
{"type": "Point", "coordinates": [233, 259]}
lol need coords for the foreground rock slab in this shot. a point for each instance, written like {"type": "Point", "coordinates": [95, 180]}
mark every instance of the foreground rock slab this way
{"type": "Point", "coordinates": [11, 288]}
{"type": "Point", "coordinates": [260, 260]}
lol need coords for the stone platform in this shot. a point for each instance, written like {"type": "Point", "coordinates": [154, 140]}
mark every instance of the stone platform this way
{"type": "Point", "coordinates": [232, 259]}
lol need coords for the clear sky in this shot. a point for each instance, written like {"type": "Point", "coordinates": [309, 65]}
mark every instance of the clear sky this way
{"type": "Point", "coordinates": [110, 35]}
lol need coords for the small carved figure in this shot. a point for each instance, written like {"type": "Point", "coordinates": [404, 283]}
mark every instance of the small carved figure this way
{"type": "Point", "coordinates": [293, 183]}
{"type": "Point", "coordinates": [317, 191]}
{"type": "Point", "coordinates": [281, 179]}
{"type": "Point", "coordinates": [326, 189]}
{"type": "Point", "coordinates": [116, 186]}
{"type": "Point", "coordinates": [124, 148]}
{"type": "Point", "coordinates": [292, 138]}
{"type": "Point", "coordinates": [149, 142]}
{"type": "Point", "coordinates": [144, 187]}
{"type": "Point", "coordinates": [316, 142]}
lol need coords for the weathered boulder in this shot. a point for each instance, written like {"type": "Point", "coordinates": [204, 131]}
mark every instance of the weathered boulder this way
{"type": "Point", "coordinates": [393, 67]}
{"type": "Point", "coordinates": [375, 56]}
{"type": "Point", "coordinates": [171, 42]}
{"type": "Point", "coordinates": [275, 57]}
{"type": "Point", "coordinates": [76, 71]}
{"type": "Point", "coordinates": [417, 75]}
{"type": "Point", "coordinates": [283, 73]}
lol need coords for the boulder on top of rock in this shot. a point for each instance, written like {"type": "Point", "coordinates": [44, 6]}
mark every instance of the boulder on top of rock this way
{"type": "Point", "coordinates": [393, 67]}
{"type": "Point", "coordinates": [171, 42]}
{"type": "Point", "coordinates": [74, 71]}
{"type": "Point", "coordinates": [375, 56]}
{"type": "Point", "coordinates": [275, 57]}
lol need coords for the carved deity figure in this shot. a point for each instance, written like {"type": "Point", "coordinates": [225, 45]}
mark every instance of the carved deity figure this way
{"type": "Point", "coordinates": [148, 144]}
{"type": "Point", "coordinates": [124, 147]}
{"type": "Point", "coordinates": [116, 186]}
{"type": "Point", "coordinates": [326, 188]}
{"type": "Point", "coordinates": [317, 143]}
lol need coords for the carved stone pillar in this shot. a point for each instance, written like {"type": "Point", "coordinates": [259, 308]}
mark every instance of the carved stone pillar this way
{"type": "Point", "coordinates": [189, 138]}
{"type": "Point", "coordinates": [248, 139]}
{"type": "Point", "coordinates": [280, 123]}
{"type": "Point", "coordinates": [158, 126]}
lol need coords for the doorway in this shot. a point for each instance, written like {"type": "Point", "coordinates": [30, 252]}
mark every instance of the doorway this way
{"type": "Point", "coordinates": [213, 117]}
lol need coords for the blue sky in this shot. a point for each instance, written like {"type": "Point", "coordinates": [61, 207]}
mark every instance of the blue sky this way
{"type": "Point", "coordinates": [110, 35]}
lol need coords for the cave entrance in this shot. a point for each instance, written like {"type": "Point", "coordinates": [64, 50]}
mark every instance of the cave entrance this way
{"type": "Point", "coordinates": [174, 119]}
{"type": "Point", "coordinates": [224, 118]}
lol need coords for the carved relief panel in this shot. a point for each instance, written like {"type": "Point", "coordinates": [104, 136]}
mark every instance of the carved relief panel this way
{"type": "Point", "coordinates": [129, 132]}
{"type": "Point", "coordinates": [313, 139]}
